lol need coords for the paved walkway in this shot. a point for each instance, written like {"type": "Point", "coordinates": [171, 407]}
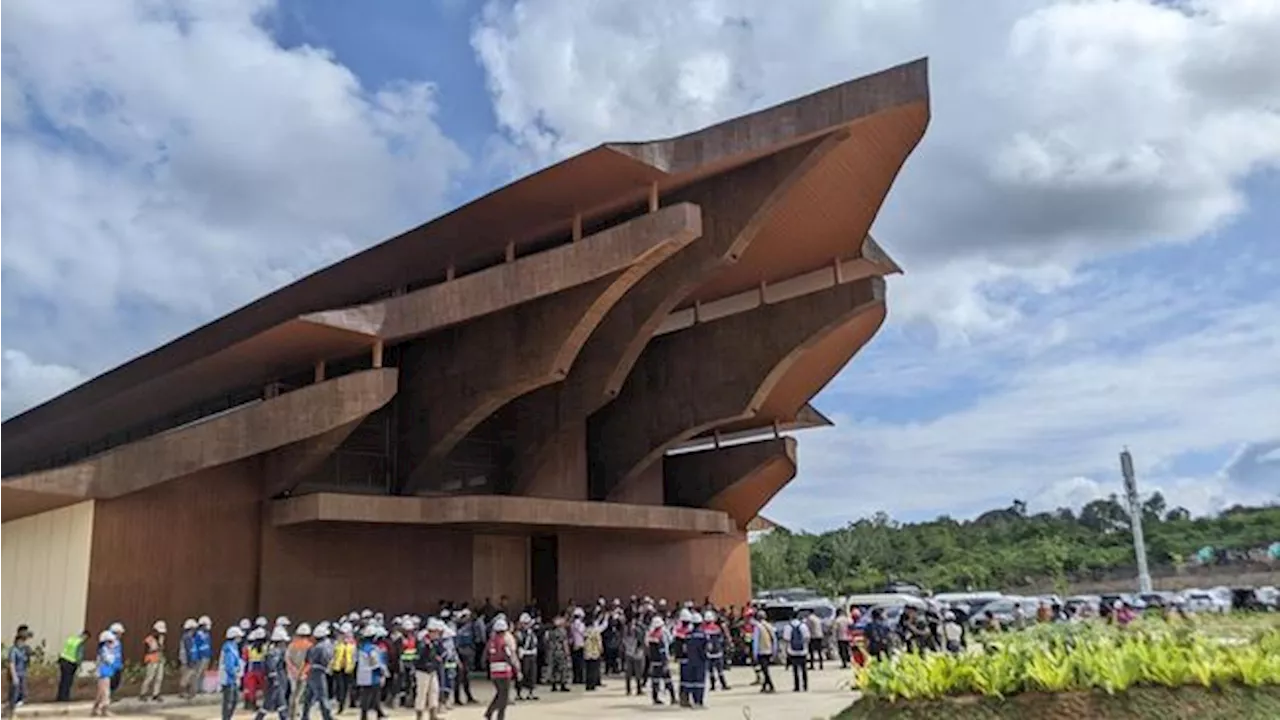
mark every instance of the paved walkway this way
{"type": "Point", "coordinates": [828, 694]}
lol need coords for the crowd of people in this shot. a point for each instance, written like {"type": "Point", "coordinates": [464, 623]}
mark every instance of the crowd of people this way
{"type": "Point", "coordinates": [369, 661]}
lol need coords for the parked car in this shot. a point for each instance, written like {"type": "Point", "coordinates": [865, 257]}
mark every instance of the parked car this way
{"type": "Point", "coordinates": [1003, 611]}
{"type": "Point", "coordinates": [1203, 601]}
{"type": "Point", "coordinates": [1158, 598]}
{"type": "Point", "coordinates": [973, 602]}
{"type": "Point", "coordinates": [1085, 605]}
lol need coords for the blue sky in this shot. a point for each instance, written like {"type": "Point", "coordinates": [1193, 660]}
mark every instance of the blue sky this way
{"type": "Point", "coordinates": [1089, 228]}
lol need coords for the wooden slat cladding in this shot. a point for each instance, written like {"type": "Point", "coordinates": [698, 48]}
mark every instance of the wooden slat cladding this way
{"type": "Point", "coordinates": [619, 565]}
{"type": "Point", "coordinates": [177, 550]}
{"type": "Point", "coordinates": [321, 571]}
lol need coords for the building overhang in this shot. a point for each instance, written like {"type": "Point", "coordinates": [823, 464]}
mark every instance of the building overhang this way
{"type": "Point", "coordinates": [498, 513]}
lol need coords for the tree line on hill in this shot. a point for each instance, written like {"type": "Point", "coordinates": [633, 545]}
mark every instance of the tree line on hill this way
{"type": "Point", "coordinates": [1001, 549]}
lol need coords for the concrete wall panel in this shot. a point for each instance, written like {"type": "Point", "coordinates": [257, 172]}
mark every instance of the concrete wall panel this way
{"type": "Point", "coordinates": [616, 565]}
{"type": "Point", "coordinates": [46, 573]}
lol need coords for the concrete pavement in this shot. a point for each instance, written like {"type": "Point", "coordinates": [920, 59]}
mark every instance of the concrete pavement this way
{"type": "Point", "coordinates": [828, 694]}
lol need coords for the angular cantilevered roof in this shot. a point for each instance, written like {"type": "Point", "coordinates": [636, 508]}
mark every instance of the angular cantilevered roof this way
{"type": "Point", "coordinates": [884, 114]}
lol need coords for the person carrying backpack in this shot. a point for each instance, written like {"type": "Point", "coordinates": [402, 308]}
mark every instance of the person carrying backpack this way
{"type": "Point", "coordinates": [500, 656]}
{"type": "Point", "coordinates": [795, 637]}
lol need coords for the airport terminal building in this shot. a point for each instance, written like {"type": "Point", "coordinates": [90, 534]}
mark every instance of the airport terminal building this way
{"type": "Point", "coordinates": [579, 384]}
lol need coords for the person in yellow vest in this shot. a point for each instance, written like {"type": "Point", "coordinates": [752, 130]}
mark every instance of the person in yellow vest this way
{"type": "Point", "coordinates": [153, 662]}
{"type": "Point", "coordinates": [69, 661]}
{"type": "Point", "coordinates": [343, 667]}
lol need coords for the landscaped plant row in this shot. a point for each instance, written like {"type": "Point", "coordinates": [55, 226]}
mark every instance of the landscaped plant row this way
{"type": "Point", "coordinates": [1081, 657]}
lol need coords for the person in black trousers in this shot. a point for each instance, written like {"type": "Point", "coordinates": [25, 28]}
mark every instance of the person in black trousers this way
{"type": "Point", "coordinates": [69, 663]}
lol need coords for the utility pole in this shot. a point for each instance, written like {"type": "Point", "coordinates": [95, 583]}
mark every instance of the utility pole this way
{"type": "Point", "coordinates": [1135, 520]}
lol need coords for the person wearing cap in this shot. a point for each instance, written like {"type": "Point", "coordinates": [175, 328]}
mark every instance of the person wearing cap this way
{"type": "Point", "coordinates": [186, 657]}
{"type": "Point", "coordinates": [319, 659]}
{"type": "Point", "coordinates": [407, 652]}
{"type": "Point", "coordinates": [764, 643]}
{"type": "Point", "coordinates": [694, 670]}
{"type": "Point", "coordinates": [277, 682]}
{"type": "Point", "coordinates": [558, 654]}
{"type": "Point", "coordinates": [503, 668]}
{"type": "Point", "coordinates": [428, 664]}
{"type": "Point", "coordinates": [295, 663]}
{"type": "Point", "coordinates": [117, 629]}
{"type": "Point", "coordinates": [527, 652]}
{"type": "Point", "coordinates": [658, 653]}
{"type": "Point", "coordinates": [69, 661]}
{"type": "Point", "coordinates": [153, 662]}
{"type": "Point", "coordinates": [19, 659]}
{"type": "Point", "coordinates": [230, 670]}
{"type": "Point", "coordinates": [108, 664]}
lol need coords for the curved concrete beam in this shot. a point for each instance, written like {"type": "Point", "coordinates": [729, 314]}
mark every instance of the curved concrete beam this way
{"type": "Point", "coordinates": [520, 281]}
{"type": "Point", "coordinates": [244, 432]}
{"type": "Point", "coordinates": [737, 479]}
{"type": "Point", "coordinates": [735, 206]}
{"type": "Point", "coordinates": [674, 393]}
{"type": "Point", "coordinates": [462, 375]}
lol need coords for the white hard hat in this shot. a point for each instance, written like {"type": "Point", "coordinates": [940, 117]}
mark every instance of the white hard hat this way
{"type": "Point", "coordinates": [685, 615]}
{"type": "Point", "coordinates": [303, 629]}
{"type": "Point", "coordinates": [160, 627]}
{"type": "Point", "coordinates": [258, 633]}
{"type": "Point", "coordinates": [444, 613]}
{"type": "Point", "coordinates": [205, 621]}
{"type": "Point", "coordinates": [117, 628]}
{"type": "Point", "coordinates": [579, 612]}
{"type": "Point", "coordinates": [525, 619]}
{"type": "Point", "coordinates": [279, 634]}
{"type": "Point", "coordinates": [244, 624]}
{"type": "Point", "coordinates": [283, 621]}
{"type": "Point", "coordinates": [464, 612]}
{"type": "Point", "coordinates": [449, 632]}
{"type": "Point", "coordinates": [345, 628]}
{"type": "Point", "coordinates": [261, 621]}
{"type": "Point", "coordinates": [106, 636]}
{"type": "Point", "coordinates": [369, 631]}
{"type": "Point", "coordinates": [321, 631]}
{"type": "Point", "coordinates": [234, 632]}
{"type": "Point", "coordinates": [655, 623]}
{"type": "Point", "coordinates": [709, 615]}
{"type": "Point", "coordinates": [435, 625]}
{"type": "Point", "coordinates": [695, 617]}
{"type": "Point", "coordinates": [189, 624]}
{"type": "Point", "coordinates": [366, 613]}
{"type": "Point", "coordinates": [500, 625]}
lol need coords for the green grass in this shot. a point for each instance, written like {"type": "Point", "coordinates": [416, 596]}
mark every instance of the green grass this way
{"type": "Point", "coordinates": [1139, 703]}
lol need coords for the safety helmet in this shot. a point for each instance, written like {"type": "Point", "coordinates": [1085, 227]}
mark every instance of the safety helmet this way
{"type": "Point", "coordinates": [189, 624]}
{"type": "Point", "coordinates": [366, 613]}
{"type": "Point", "coordinates": [303, 630]}
{"type": "Point", "coordinates": [345, 628]}
{"type": "Point", "coordinates": [579, 612]}
{"type": "Point", "coordinates": [695, 617]}
{"type": "Point", "coordinates": [234, 632]}
{"type": "Point", "coordinates": [205, 621]}
{"type": "Point", "coordinates": [500, 625]}
{"type": "Point", "coordinates": [321, 631]}
{"type": "Point", "coordinates": [685, 615]}
{"type": "Point", "coordinates": [279, 634]}
{"type": "Point", "coordinates": [244, 624]}
{"type": "Point", "coordinates": [369, 631]}
{"type": "Point", "coordinates": [261, 621]}
{"type": "Point", "coordinates": [160, 627]}
{"type": "Point", "coordinates": [258, 633]}
{"type": "Point", "coordinates": [709, 615]}
{"type": "Point", "coordinates": [106, 636]}
{"type": "Point", "coordinates": [525, 619]}
{"type": "Point", "coordinates": [283, 621]}
{"type": "Point", "coordinates": [116, 628]}
{"type": "Point", "coordinates": [655, 623]}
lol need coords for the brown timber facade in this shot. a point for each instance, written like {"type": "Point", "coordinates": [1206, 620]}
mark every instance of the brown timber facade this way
{"type": "Point", "coordinates": [572, 386]}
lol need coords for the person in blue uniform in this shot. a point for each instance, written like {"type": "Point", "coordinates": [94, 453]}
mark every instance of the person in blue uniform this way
{"type": "Point", "coordinates": [659, 659]}
{"type": "Point", "coordinates": [695, 662]}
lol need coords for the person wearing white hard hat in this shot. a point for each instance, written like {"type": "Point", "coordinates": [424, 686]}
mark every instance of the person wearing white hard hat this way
{"type": "Point", "coordinates": [202, 647]}
{"type": "Point", "coordinates": [593, 649]}
{"type": "Point", "coordinates": [693, 665]}
{"type": "Point", "coordinates": [319, 660]}
{"type": "Point", "coordinates": [230, 670]}
{"type": "Point", "coordinates": [427, 666]}
{"type": "Point", "coordinates": [277, 682]}
{"type": "Point", "coordinates": [658, 654]}
{"type": "Point", "coordinates": [717, 643]}
{"type": "Point", "coordinates": [370, 669]}
{"type": "Point", "coordinates": [499, 652]}
{"type": "Point", "coordinates": [153, 662]}
{"type": "Point", "coordinates": [108, 666]}
{"type": "Point", "coordinates": [255, 668]}
{"type": "Point", "coordinates": [469, 640]}
{"type": "Point", "coordinates": [527, 653]}
{"type": "Point", "coordinates": [343, 666]}
{"type": "Point", "coordinates": [117, 629]}
{"type": "Point", "coordinates": [295, 663]}
{"type": "Point", "coordinates": [578, 638]}
{"type": "Point", "coordinates": [186, 656]}
{"type": "Point", "coordinates": [633, 653]}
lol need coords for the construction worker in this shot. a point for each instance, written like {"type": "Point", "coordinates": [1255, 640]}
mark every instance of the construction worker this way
{"type": "Point", "coordinates": [273, 697]}
{"type": "Point", "coordinates": [203, 644]}
{"type": "Point", "coordinates": [153, 662]}
{"type": "Point", "coordinates": [319, 658]}
{"type": "Point", "coordinates": [69, 661]}
{"type": "Point", "coordinates": [295, 662]}
{"type": "Point", "coordinates": [230, 670]}
{"type": "Point", "coordinates": [255, 675]}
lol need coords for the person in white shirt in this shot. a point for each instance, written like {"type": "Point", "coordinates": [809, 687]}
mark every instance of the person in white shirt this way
{"type": "Point", "coordinates": [817, 643]}
{"type": "Point", "coordinates": [795, 639]}
{"type": "Point", "coordinates": [952, 633]}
